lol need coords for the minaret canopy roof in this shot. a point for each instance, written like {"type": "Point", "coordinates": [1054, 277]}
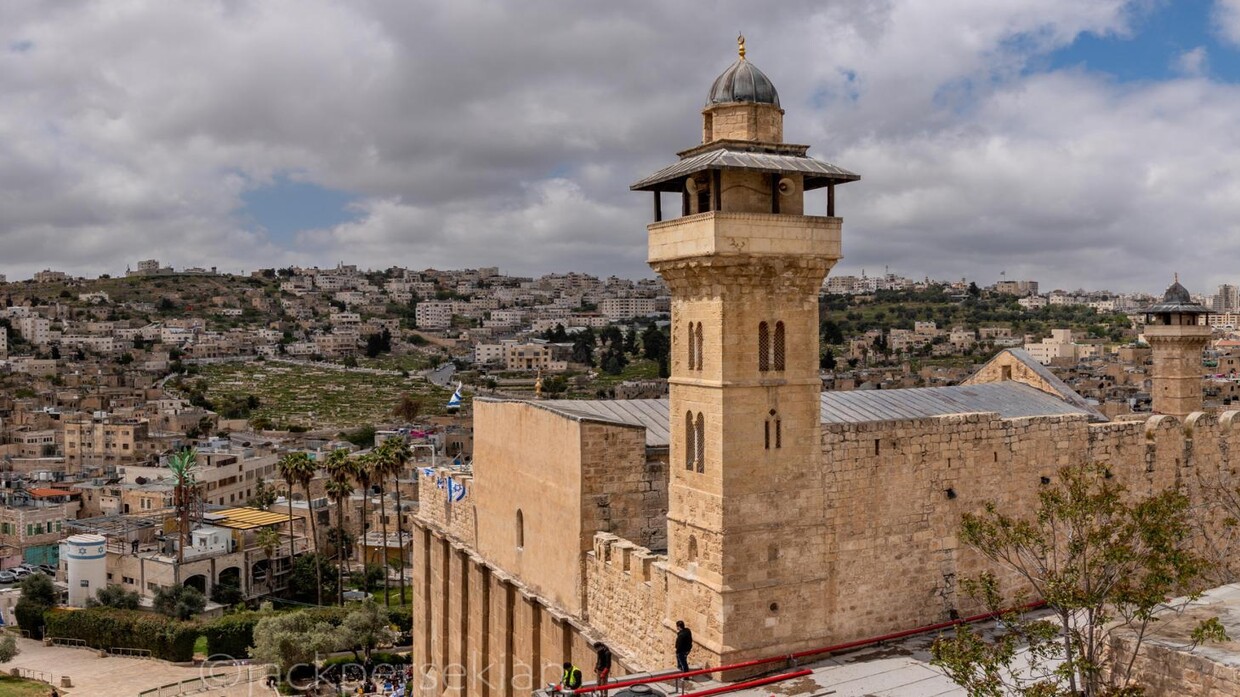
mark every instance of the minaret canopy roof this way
{"type": "Point", "coordinates": [741, 155]}
{"type": "Point", "coordinates": [1177, 300]}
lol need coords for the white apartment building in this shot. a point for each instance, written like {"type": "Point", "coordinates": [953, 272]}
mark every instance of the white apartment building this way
{"type": "Point", "coordinates": [1060, 344]}
{"type": "Point", "coordinates": [434, 315]}
{"type": "Point", "coordinates": [618, 309]}
{"type": "Point", "coordinates": [487, 354]}
{"type": "Point", "coordinates": [1033, 302]}
{"type": "Point", "coordinates": [35, 329]}
{"type": "Point", "coordinates": [89, 342]}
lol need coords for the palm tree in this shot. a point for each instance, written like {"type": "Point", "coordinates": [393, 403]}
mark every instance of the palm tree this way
{"type": "Point", "coordinates": [384, 466]}
{"type": "Point", "coordinates": [182, 465]}
{"type": "Point", "coordinates": [306, 469]}
{"type": "Point", "coordinates": [268, 539]}
{"type": "Point", "coordinates": [339, 488]}
{"type": "Point", "coordinates": [400, 454]}
{"type": "Point", "coordinates": [363, 470]}
{"type": "Point", "coordinates": [287, 467]}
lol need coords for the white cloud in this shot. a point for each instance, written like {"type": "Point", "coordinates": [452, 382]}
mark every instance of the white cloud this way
{"type": "Point", "coordinates": [478, 133]}
{"type": "Point", "coordinates": [1227, 20]}
{"type": "Point", "coordinates": [1193, 62]}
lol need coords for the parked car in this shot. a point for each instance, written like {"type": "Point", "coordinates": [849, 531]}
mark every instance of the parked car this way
{"type": "Point", "coordinates": [19, 572]}
{"type": "Point", "coordinates": [47, 569]}
{"type": "Point", "coordinates": [8, 576]}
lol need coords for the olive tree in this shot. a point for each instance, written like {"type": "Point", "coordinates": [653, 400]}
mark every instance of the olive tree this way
{"type": "Point", "coordinates": [366, 628]}
{"type": "Point", "coordinates": [1105, 562]}
{"type": "Point", "coordinates": [8, 648]}
{"type": "Point", "coordinates": [294, 638]}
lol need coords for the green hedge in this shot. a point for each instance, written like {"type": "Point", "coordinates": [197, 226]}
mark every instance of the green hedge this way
{"type": "Point", "coordinates": [232, 634]}
{"type": "Point", "coordinates": [105, 628]}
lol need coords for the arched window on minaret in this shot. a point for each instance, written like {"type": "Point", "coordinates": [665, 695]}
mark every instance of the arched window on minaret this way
{"type": "Point", "coordinates": [692, 348]}
{"type": "Point", "coordinates": [773, 435]}
{"type": "Point", "coordinates": [779, 346]}
{"type": "Point", "coordinates": [520, 529]}
{"type": "Point", "coordinates": [690, 438]}
{"type": "Point", "coordinates": [697, 340]}
{"type": "Point", "coordinates": [700, 443]}
{"type": "Point", "coordinates": [764, 347]}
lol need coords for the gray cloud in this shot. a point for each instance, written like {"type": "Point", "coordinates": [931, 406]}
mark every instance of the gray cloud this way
{"type": "Point", "coordinates": [476, 132]}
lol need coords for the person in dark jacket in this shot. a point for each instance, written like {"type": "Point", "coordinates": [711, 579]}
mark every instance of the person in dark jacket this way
{"type": "Point", "coordinates": [684, 644]}
{"type": "Point", "coordinates": [602, 665]}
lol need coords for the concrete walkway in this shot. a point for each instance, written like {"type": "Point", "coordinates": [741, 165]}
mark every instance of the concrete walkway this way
{"type": "Point", "coordinates": [114, 676]}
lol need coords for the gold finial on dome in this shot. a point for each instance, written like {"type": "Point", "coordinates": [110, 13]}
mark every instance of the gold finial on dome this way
{"type": "Point", "coordinates": [740, 45]}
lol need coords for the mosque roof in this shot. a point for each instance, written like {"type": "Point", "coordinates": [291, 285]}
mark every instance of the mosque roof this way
{"type": "Point", "coordinates": [742, 82]}
{"type": "Point", "coordinates": [743, 156]}
{"type": "Point", "coordinates": [1008, 399]}
{"type": "Point", "coordinates": [1177, 299]}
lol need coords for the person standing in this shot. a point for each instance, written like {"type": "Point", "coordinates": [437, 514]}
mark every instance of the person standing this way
{"type": "Point", "coordinates": [684, 644]}
{"type": "Point", "coordinates": [602, 664]}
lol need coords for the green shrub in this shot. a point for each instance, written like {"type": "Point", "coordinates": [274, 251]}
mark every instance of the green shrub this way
{"type": "Point", "coordinates": [232, 635]}
{"type": "Point", "coordinates": [105, 628]}
{"type": "Point", "coordinates": [30, 617]}
{"type": "Point", "coordinates": [402, 619]}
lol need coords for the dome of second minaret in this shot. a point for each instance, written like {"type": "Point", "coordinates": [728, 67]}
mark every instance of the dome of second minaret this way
{"type": "Point", "coordinates": [743, 82]}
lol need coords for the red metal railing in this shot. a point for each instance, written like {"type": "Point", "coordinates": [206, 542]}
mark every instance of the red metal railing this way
{"type": "Point", "coordinates": [792, 658]}
{"type": "Point", "coordinates": [750, 683]}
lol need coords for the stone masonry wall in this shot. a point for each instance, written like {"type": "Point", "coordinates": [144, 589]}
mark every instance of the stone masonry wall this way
{"type": "Point", "coordinates": [628, 601]}
{"type": "Point", "coordinates": [894, 558]}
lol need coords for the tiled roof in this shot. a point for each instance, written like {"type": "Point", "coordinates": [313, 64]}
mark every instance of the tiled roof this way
{"type": "Point", "coordinates": [43, 492]}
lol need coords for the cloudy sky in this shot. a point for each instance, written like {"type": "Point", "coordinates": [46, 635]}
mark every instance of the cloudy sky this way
{"type": "Point", "coordinates": [1082, 144]}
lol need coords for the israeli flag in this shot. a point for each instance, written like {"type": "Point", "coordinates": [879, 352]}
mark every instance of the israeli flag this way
{"type": "Point", "coordinates": [456, 491]}
{"type": "Point", "coordinates": [427, 471]}
{"type": "Point", "coordinates": [455, 402]}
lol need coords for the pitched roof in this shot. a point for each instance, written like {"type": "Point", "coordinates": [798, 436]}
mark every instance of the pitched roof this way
{"type": "Point", "coordinates": [1008, 399]}
{"type": "Point", "coordinates": [1060, 388]}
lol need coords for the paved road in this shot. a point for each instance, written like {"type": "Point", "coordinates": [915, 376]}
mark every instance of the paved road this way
{"type": "Point", "coordinates": [113, 676]}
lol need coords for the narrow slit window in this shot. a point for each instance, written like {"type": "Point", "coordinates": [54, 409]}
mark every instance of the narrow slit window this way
{"type": "Point", "coordinates": [690, 438]}
{"type": "Point", "coordinates": [779, 439]}
{"type": "Point", "coordinates": [697, 337]}
{"type": "Point", "coordinates": [766, 435]}
{"type": "Point", "coordinates": [779, 346]}
{"type": "Point", "coordinates": [520, 529]}
{"type": "Point", "coordinates": [700, 443]}
{"type": "Point", "coordinates": [764, 347]}
{"type": "Point", "coordinates": [692, 349]}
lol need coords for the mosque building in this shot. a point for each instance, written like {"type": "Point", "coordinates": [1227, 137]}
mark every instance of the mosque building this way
{"type": "Point", "coordinates": [768, 515]}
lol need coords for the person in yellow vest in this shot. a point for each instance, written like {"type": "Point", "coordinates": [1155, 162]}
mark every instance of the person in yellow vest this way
{"type": "Point", "coordinates": [571, 680]}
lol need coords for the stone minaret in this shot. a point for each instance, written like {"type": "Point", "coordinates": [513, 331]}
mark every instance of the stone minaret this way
{"type": "Point", "coordinates": [746, 533]}
{"type": "Point", "coordinates": [1173, 331]}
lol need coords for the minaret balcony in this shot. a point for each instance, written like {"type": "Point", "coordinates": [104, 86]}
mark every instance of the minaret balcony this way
{"type": "Point", "coordinates": [720, 233]}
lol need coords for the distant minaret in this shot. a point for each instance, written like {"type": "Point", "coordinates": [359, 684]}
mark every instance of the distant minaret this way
{"type": "Point", "coordinates": [1177, 339]}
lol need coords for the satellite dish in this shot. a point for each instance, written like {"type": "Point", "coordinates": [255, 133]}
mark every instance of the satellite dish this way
{"type": "Point", "coordinates": [691, 186]}
{"type": "Point", "coordinates": [787, 186]}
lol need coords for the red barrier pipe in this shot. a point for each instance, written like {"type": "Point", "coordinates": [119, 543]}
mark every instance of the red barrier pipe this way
{"type": "Point", "coordinates": [750, 683]}
{"type": "Point", "coordinates": [808, 653]}
{"type": "Point", "coordinates": [910, 632]}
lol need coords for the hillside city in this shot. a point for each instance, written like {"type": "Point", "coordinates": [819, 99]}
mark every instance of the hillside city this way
{"type": "Point", "coordinates": [107, 381]}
